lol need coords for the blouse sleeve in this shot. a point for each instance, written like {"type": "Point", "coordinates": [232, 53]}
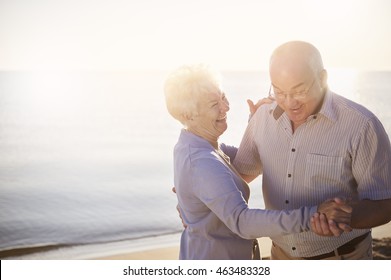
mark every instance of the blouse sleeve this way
{"type": "Point", "coordinates": [229, 151]}
{"type": "Point", "coordinates": [215, 186]}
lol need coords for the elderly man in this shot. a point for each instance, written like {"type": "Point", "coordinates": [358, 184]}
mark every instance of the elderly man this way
{"type": "Point", "coordinates": [312, 144]}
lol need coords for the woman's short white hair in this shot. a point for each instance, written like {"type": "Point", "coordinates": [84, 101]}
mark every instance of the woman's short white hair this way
{"type": "Point", "coordinates": [184, 87]}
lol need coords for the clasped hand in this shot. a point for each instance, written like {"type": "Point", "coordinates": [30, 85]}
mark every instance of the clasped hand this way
{"type": "Point", "coordinates": [333, 218]}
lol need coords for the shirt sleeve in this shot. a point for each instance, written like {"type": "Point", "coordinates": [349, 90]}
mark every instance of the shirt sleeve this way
{"type": "Point", "coordinates": [215, 186]}
{"type": "Point", "coordinates": [247, 160]}
{"type": "Point", "coordinates": [371, 161]}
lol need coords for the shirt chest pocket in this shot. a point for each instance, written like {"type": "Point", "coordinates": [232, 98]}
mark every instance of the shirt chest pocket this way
{"type": "Point", "coordinates": [322, 171]}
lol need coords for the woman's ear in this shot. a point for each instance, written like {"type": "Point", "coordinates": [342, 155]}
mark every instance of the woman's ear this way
{"type": "Point", "coordinates": [188, 117]}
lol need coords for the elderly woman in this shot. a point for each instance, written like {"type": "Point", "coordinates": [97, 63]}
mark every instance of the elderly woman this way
{"type": "Point", "coordinates": [212, 197]}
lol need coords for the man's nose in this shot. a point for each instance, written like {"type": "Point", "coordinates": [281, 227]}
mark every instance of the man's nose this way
{"type": "Point", "coordinates": [290, 101]}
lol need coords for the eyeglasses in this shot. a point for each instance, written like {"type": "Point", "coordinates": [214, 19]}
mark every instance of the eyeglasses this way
{"type": "Point", "coordinates": [281, 96]}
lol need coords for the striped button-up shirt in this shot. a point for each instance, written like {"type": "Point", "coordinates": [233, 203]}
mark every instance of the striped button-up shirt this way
{"type": "Point", "coordinates": [342, 151]}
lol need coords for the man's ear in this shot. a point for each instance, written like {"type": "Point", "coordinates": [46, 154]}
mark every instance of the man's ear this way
{"type": "Point", "coordinates": [323, 78]}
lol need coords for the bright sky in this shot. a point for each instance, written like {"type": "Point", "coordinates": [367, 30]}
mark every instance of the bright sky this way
{"type": "Point", "coordinates": [163, 34]}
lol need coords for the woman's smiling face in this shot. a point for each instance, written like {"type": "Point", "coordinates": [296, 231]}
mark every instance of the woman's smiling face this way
{"type": "Point", "coordinates": [211, 120]}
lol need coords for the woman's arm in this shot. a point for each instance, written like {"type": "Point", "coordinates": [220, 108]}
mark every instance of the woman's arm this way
{"type": "Point", "coordinates": [217, 188]}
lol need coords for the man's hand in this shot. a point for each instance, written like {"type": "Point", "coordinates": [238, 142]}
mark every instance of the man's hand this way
{"type": "Point", "coordinates": [333, 218]}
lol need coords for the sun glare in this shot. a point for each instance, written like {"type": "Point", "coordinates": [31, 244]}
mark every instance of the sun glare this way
{"type": "Point", "coordinates": [343, 81]}
{"type": "Point", "coordinates": [232, 35]}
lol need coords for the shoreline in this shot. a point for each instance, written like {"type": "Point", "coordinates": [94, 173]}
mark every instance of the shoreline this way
{"type": "Point", "coordinates": [164, 247]}
{"type": "Point", "coordinates": [94, 250]}
{"type": "Point", "coordinates": [381, 236]}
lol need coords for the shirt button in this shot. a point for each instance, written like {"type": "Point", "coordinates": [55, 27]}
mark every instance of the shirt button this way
{"type": "Point", "coordinates": [286, 201]}
{"type": "Point", "coordinates": [293, 248]}
{"type": "Point", "coordinates": [289, 175]}
{"type": "Point", "coordinates": [293, 150]}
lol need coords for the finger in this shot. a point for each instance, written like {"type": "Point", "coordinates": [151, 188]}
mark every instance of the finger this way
{"type": "Point", "coordinates": [319, 226]}
{"type": "Point", "coordinates": [251, 106]}
{"type": "Point", "coordinates": [342, 203]}
{"type": "Point", "coordinates": [346, 208]}
{"type": "Point", "coordinates": [265, 100]}
{"type": "Point", "coordinates": [324, 224]}
{"type": "Point", "coordinates": [325, 205]}
{"type": "Point", "coordinates": [339, 200]}
{"type": "Point", "coordinates": [345, 227]}
{"type": "Point", "coordinates": [340, 216]}
{"type": "Point", "coordinates": [334, 228]}
{"type": "Point", "coordinates": [315, 224]}
{"type": "Point", "coordinates": [250, 103]}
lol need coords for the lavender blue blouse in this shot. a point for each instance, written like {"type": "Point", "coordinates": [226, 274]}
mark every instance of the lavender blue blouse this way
{"type": "Point", "coordinates": [213, 202]}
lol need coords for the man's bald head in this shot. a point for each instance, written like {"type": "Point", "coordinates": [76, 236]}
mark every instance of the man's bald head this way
{"type": "Point", "coordinates": [297, 53]}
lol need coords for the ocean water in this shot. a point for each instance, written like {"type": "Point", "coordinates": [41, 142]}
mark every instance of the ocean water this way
{"type": "Point", "coordinates": [86, 157]}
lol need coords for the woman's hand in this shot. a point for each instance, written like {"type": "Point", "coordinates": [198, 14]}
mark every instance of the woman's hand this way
{"type": "Point", "coordinates": [254, 107]}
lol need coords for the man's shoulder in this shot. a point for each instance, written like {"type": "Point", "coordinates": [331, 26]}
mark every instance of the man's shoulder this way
{"type": "Point", "coordinates": [351, 109]}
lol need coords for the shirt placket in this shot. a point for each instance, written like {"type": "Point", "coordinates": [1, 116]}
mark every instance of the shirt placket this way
{"type": "Point", "coordinates": [292, 137]}
{"type": "Point", "coordinates": [290, 172]}
{"type": "Point", "coordinates": [295, 138]}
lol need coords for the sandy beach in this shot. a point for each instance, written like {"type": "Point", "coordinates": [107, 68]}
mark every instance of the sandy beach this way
{"type": "Point", "coordinates": [164, 247]}
{"type": "Point", "coordinates": [381, 244]}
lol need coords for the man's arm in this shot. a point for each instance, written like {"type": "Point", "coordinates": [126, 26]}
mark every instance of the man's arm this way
{"type": "Point", "coordinates": [371, 168]}
{"type": "Point", "coordinates": [370, 213]}
{"type": "Point", "coordinates": [365, 214]}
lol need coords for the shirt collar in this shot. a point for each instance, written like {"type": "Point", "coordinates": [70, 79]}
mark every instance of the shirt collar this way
{"type": "Point", "coordinates": [328, 109]}
{"type": "Point", "coordinates": [195, 140]}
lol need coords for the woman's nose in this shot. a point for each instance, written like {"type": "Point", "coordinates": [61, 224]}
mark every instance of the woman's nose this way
{"type": "Point", "coordinates": [225, 105]}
